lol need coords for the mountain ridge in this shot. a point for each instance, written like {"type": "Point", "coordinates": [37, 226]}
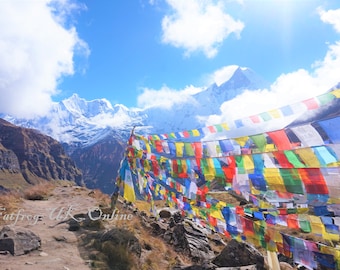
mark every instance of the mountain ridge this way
{"type": "Point", "coordinates": [94, 133]}
{"type": "Point", "coordinates": [76, 120]}
{"type": "Point", "coordinates": [29, 157]}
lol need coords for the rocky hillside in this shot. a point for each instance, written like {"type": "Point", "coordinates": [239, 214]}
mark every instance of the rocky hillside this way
{"type": "Point", "coordinates": [100, 162]}
{"type": "Point", "coordinates": [29, 157]}
{"type": "Point", "coordinates": [75, 228]}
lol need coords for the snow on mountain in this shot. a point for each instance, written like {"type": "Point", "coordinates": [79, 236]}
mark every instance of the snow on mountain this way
{"type": "Point", "coordinates": [78, 121]}
{"type": "Point", "coordinates": [207, 102]}
{"type": "Point", "coordinates": [81, 122]}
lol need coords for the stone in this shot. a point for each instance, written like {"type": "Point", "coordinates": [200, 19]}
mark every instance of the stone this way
{"type": "Point", "coordinates": [158, 228]}
{"type": "Point", "coordinates": [18, 241]}
{"type": "Point", "coordinates": [237, 254]}
{"type": "Point", "coordinates": [189, 238]}
{"type": "Point", "coordinates": [167, 212]}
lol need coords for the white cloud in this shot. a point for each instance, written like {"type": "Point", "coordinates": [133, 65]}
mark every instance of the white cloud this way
{"type": "Point", "coordinates": [332, 17]}
{"type": "Point", "coordinates": [288, 89]}
{"type": "Point", "coordinates": [36, 50]}
{"type": "Point", "coordinates": [197, 25]}
{"type": "Point", "coordinates": [166, 97]}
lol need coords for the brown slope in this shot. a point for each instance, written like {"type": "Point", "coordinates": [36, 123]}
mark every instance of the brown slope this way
{"type": "Point", "coordinates": [29, 157]}
{"type": "Point", "coordinates": [100, 163]}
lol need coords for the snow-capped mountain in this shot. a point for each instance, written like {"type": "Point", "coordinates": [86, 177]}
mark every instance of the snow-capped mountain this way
{"type": "Point", "coordinates": [94, 133]}
{"type": "Point", "coordinates": [81, 122]}
{"type": "Point", "coordinates": [188, 115]}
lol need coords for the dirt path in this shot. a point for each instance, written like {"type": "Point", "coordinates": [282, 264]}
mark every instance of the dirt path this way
{"type": "Point", "coordinates": [58, 245]}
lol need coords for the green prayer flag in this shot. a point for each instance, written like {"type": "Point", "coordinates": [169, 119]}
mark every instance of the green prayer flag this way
{"type": "Point", "coordinates": [293, 159]}
{"type": "Point", "coordinates": [240, 164]}
{"type": "Point", "coordinates": [189, 149]}
{"type": "Point", "coordinates": [304, 224]}
{"type": "Point", "coordinates": [325, 98]}
{"type": "Point", "coordinates": [260, 141]}
{"type": "Point", "coordinates": [265, 116]}
{"type": "Point", "coordinates": [292, 181]}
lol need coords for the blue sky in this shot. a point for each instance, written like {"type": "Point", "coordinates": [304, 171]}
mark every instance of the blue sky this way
{"type": "Point", "coordinates": [138, 52]}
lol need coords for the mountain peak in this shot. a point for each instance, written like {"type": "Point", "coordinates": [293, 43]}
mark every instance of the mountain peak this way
{"type": "Point", "coordinates": [225, 74]}
{"type": "Point", "coordinates": [80, 106]}
{"type": "Point", "coordinates": [243, 77]}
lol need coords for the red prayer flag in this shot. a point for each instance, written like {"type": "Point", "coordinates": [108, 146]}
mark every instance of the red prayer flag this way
{"type": "Point", "coordinates": [280, 139]}
{"type": "Point", "coordinates": [212, 129]}
{"type": "Point", "coordinates": [292, 221]}
{"type": "Point", "coordinates": [247, 226]}
{"type": "Point", "coordinates": [255, 119]}
{"type": "Point", "coordinates": [186, 134]}
{"type": "Point", "coordinates": [158, 146]}
{"type": "Point", "coordinates": [198, 149]}
{"type": "Point", "coordinates": [311, 104]}
{"type": "Point", "coordinates": [155, 167]}
{"type": "Point", "coordinates": [282, 159]}
{"type": "Point", "coordinates": [313, 180]}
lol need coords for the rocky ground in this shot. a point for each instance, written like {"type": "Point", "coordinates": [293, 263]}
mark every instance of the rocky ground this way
{"type": "Point", "coordinates": [59, 246]}
{"type": "Point", "coordinates": [78, 231]}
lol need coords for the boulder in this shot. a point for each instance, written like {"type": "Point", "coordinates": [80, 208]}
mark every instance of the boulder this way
{"type": "Point", "coordinates": [189, 238]}
{"type": "Point", "coordinates": [237, 254]}
{"type": "Point", "coordinates": [158, 228]}
{"type": "Point", "coordinates": [167, 212]}
{"type": "Point", "coordinates": [18, 241]}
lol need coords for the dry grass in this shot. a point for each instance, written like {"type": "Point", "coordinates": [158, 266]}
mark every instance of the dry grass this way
{"type": "Point", "coordinates": [64, 183]}
{"type": "Point", "coordinates": [9, 202]}
{"type": "Point", "coordinates": [40, 191]}
{"type": "Point", "coordinates": [160, 255]}
{"type": "Point", "coordinates": [103, 199]}
{"type": "Point", "coordinates": [224, 197]}
{"type": "Point", "coordinates": [143, 206]}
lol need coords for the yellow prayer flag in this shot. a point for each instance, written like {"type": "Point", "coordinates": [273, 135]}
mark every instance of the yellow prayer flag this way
{"type": "Point", "coordinates": [274, 179]}
{"type": "Point", "coordinates": [146, 166]}
{"type": "Point", "coordinates": [337, 257]}
{"type": "Point", "coordinates": [179, 149]}
{"type": "Point", "coordinates": [327, 250]}
{"type": "Point", "coordinates": [248, 162]}
{"type": "Point", "coordinates": [148, 148]}
{"type": "Point", "coordinates": [156, 137]}
{"type": "Point", "coordinates": [275, 113]}
{"type": "Point", "coordinates": [209, 169]}
{"type": "Point", "coordinates": [242, 140]}
{"type": "Point", "coordinates": [336, 93]}
{"type": "Point", "coordinates": [330, 236]}
{"type": "Point", "coordinates": [308, 157]}
{"type": "Point", "coordinates": [217, 214]}
{"type": "Point", "coordinates": [139, 154]}
{"type": "Point", "coordinates": [270, 147]}
{"type": "Point", "coordinates": [316, 224]}
{"type": "Point", "coordinates": [264, 204]}
{"type": "Point", "coordinates": [195, 210]}
{"type": "Point", "coordinates": [195, 132]}
{"type": "Point", "coordinates": [225, 126]}
{"type": "Point", "coordinates": [129, 191]}
{"type": "Point", "coordinates": [302, 210]}
{"type": "Point", "coordinates": [221, 204]}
